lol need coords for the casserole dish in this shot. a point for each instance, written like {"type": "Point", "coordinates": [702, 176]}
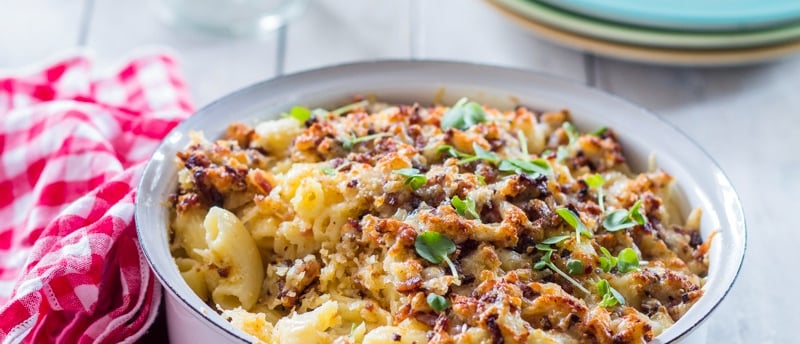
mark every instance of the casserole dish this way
{"type": "Point", "coordinates": [700, 183]}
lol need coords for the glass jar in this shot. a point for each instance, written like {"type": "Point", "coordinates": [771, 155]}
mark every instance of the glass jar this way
{"type": "Point", "coordinates": [230, 17]}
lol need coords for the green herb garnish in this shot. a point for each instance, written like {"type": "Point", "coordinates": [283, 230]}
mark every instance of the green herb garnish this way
{"type": "Point", "coordinates": [596, 181]}
{"type": "Point", "coordinates": [544, 247]}
{"type": "Point", "coordinates": [618, 220]}
{"type": "Point", "coordinates": [533, 167]}
{"type": "Point", "coordinates": [611, 297]}
{"type": "Point", "coordinates": [542, 263]}
{"type": "Point", "coordinates": [413, 177]}
{"type": "Point", "coordinates": [635, 214]}
{"type": "Point", "coordinates": [562, 153]}
{"type": "Point", "coordinates": [481, 179]}
{"type": "Point", "coordinates": [349, 107]}
{"type": "Point", "coordinates": [435, 247]}
{"type": "Point", "coordinates": [301, 114]}
{"type": "Point", "coordinates": [575, 267]}
{"type": "Point", "coordinates": [572, 132]}
{"type": "Point", "coordinates": [607, 261]}
{"type": "Point", "coordinates": [545, 262]}
{"type": "Point", "coordinates": [437, 302]}
{"type": "Point", "coordinates": [463, 115]}
{"type": "Point", "coordinates": [485, 155]}
{"type": "Point", "coordinates": [573, 220]}
{"type": "Point", "coordinates": [465, 158]}
{"type": "Point", "coordinates": [523, 142]}
{"type": "Point", "coordinates": [480, 154]}
{"type": "Point", "coordinates": [600, 131]}
{"type": "Point", "coordinates": [451, 151]}
{"type": "Point", "coordinates": [627, 260]}
{"type": "Point", "coordinates": [623, 219]}
{"type": "Point", "coordinates": [349, 142]}
{"type": "Point", "coordinates": [327, 170]}
{"type": "Point", "coordinates": [465, 207]}
{"type": "Point", "coordinates": [573, 135]}
{"type": "Point", "coordinates": [555, 239]}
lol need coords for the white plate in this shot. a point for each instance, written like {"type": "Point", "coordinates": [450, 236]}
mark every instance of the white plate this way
{"type": "Point", "coordinates": [731, 15]}
{"type": "Point", "coordinates": [646, 54]}
{"type": "Point", "coordinates": [700, 182]}
{"type": "Point", "coordinates": [649, 37]}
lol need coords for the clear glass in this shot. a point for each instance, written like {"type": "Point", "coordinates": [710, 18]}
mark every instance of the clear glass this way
{"type": "Point", "coordinates": [230, 17]}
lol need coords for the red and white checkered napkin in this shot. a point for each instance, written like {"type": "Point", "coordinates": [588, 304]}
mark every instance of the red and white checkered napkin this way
{"type": "Point", "coordinates": [72, 148]}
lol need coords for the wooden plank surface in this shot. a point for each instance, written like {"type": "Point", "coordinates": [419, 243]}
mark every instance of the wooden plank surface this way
{"type": "Point", "coordinates": [334, 32]}
{"type": "Point", "coordinates": [32, 30]}
{"type": "Point", "coordinates": [748, 120]}
{"type": "Point", "coordinates": [472, 31]}
{"type": "Point", "coordinates": [212, 65]}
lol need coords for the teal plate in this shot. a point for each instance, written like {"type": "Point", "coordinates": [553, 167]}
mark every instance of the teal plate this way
{"type": "Point", "coordinates": [635, 35]}
{"type": "Point", "coordinates": [727, 15]}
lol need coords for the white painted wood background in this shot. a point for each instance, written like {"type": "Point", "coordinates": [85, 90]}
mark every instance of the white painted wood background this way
{"type": "Point", "coordinates": [747, 118]}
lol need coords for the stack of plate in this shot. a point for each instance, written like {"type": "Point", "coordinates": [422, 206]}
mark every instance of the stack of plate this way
{"type": "Point", "coordinates": [675, 32]}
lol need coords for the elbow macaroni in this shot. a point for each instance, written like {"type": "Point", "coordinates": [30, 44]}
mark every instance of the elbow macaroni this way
{"type": "Point", "coordinates": [231, 247]}
{"type": "Point", "coordinates": [305, 232]}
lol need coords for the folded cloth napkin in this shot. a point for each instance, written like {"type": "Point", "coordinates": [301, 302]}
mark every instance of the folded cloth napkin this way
{"type": "Point", "coordinates": [72, 147]}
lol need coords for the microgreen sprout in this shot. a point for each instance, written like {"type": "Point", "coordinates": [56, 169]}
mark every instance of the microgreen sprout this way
{"type": "Point", "coordinates": [451, 151]}
{"type": "Point", "coordinates": [562, 153]}
{"type": "Point", "coordinates": [327, 170]}
{"type": "Point", "coordinates": [463, 115]}
{"type": "Point", "coordinates": [555, 239]}
{"type": "Point", "coordinates": [623, 219]}
{"type": "Point", "coordinates": [435, 248]}
{"type": "Point", "coordinates": [627, 260]}
{"type": "Point", "coordinates": [301, 114]}
{"type": "Point", "coordinates": [573, 135]}
{"type": "Point", "coordinates": [607, 261]}
{"type": "Point", "coordinates": [523, 142]}
{"type": "Point", "coordinates": [610, 296]}
{"type": "Point", "coordinates": [349, 142]}
{"type": "Point", "coordinates": [596, 181]}
{"type": "Point", "coordinates": [465, 207]}
{"type": "Point", "coordinates": [350, 107]}
{"type": "Point", "coordinates": [464, 158]}
{"type": "Point", "coordinates": [437, 302]}
{"type": "Point", "coordinates": [544, 247]}
{"type": "Point", "coordinates": [545, 262]}
{"type": "Point", "coordinates": [480, 154]}
{"type": "Point", "coordinates": [575, 267]}
{"type": "Point", "coordinates": [575, 221]}
{"type": "Point", "coordinates": [572, 132]}
{"type": "Point", "coordinates": [413, 177]}
{"type": "Point", "coordinates": [635, 214]}
{"type": "Point", "coordinates": [600, 131]}
{"type": "Point", "coordinates": [533, 167]}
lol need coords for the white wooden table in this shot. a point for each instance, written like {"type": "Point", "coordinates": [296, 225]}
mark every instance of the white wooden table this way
{"type": "Point", "coordinates": [747, 118]}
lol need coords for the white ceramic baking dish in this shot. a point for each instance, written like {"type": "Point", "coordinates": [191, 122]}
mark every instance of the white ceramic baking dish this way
{"type": "Point", "coordinates": [700, 182]}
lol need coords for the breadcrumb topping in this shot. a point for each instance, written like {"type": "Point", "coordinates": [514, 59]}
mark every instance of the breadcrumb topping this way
{"type": "Point", "coordinates": [337, 206]}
